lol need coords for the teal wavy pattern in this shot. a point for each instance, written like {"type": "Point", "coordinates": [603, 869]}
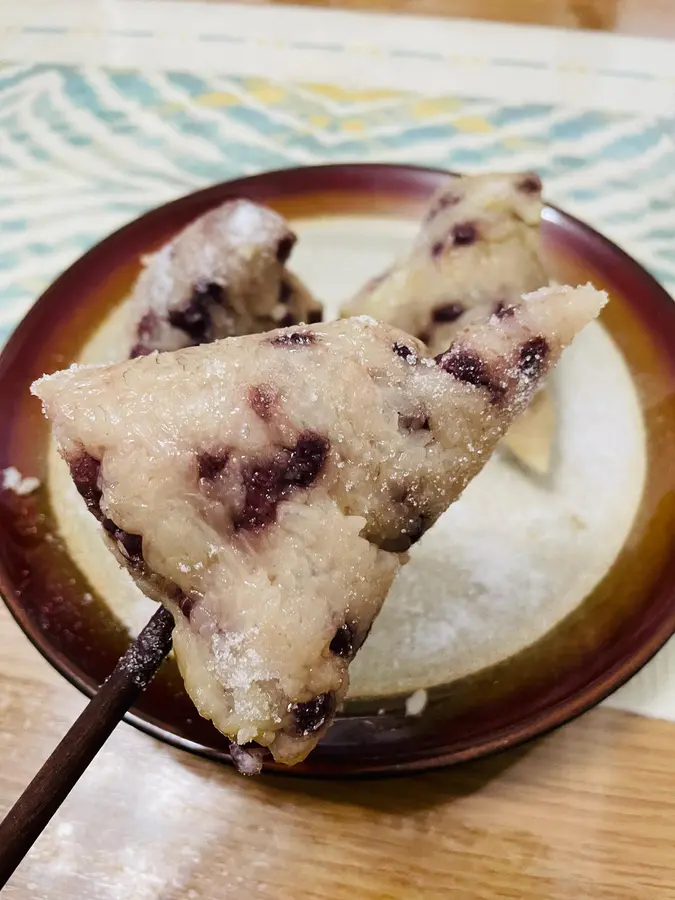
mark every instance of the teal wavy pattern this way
{"type": "Point", "coordinates": [83, 150]}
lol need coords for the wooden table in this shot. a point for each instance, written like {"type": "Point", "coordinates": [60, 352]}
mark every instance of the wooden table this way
{"type": "Point", "coordinates": [586, 813]}
{"type": "Point", "coordinates": [654, 18]}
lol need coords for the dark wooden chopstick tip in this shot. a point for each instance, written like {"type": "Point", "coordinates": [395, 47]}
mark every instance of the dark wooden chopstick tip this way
{"type": "Point", "coordinates": [144, 656]}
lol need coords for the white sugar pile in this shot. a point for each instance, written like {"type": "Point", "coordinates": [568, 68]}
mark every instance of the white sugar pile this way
{"type": "Point", "coordinates": [13, 480]}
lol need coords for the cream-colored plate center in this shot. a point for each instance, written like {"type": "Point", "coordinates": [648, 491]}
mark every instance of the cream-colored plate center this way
{"type": "Point", "coordinates": [508, 561]}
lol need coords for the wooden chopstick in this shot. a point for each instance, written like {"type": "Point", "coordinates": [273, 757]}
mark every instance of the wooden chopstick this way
{"type": "Point", "coordinates": [35, 807]}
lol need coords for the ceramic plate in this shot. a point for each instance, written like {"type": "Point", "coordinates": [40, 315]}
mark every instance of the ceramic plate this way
{"type": "Point", "coordinates": [531, 599]}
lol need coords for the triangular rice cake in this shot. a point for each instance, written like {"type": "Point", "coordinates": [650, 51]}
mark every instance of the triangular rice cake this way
{"type": "Point", "coordinates": [224, 274]}
{"type": "Point", "coordinates": [266, 488]}
{"type": "Point", "coordinates": [477, 252]}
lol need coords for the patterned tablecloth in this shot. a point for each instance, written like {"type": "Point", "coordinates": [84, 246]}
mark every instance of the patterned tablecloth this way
{"type": "Point", "coordinates": [110, 108]}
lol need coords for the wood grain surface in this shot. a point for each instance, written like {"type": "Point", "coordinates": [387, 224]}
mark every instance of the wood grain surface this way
{"type": "Point", "coordinates": [654, 18]}
{"type": "Point", "coordinates": [45, 794]}
{"type": "Point", "coordinates": [588, 812]}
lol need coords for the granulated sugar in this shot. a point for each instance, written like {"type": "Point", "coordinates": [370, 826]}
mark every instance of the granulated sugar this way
{"type": "Point", "coordinates": [509, 560]}
{"type": "Point", "coordinates": [13, 480]}
{"type": "Point", "coordinates": [515, 555]}
{"type": "Point", "coordinates": [416, 703]}
{"type": "Point", "coordinates": [158, 797]}
{"type": "Point", "coordinates": [501, 567]}
{"type": "Point", "coordinates": [249, 224]}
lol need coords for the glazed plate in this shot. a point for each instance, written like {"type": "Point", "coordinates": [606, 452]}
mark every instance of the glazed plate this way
{"type": "Point", "coordinates": [531, 599]}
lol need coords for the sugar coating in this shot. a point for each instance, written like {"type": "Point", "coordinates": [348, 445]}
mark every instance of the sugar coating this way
{"type": "Point", "coordinates": [13, 480]}
{"type": "Point", "coordinates": [477, 251]}
{"type": "Point", "coordinates": [267, 488]}
{"type": "Point", "coordinates": [416, 703]}
{"type": "Point", "coordinates": [223, 275]}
